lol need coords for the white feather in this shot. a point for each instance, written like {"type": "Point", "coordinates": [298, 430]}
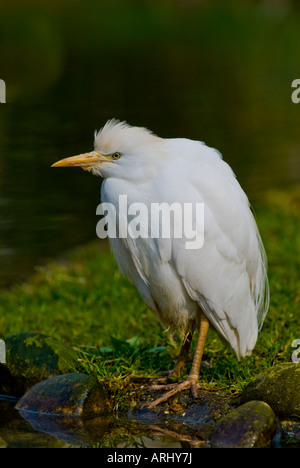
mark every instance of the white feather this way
{"type": "Point", "coordinates": [227, 277]}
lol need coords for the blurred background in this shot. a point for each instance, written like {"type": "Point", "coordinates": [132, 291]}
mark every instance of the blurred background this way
{"type": "Point", "coordinates": [215, 71]}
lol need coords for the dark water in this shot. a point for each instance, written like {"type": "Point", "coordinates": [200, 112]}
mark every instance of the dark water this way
{"type": "Point", "coordinates": [19, 430]}
{"type": "Point", "coordinates": [31, 430]}
{"type": "Point", "coordinates": [214, 73]}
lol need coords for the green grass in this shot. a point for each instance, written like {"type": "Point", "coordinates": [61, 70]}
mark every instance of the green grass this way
{"type": "Point", "coordinates": [84, 301]}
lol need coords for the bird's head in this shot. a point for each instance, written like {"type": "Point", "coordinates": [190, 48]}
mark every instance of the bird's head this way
{"type": "Point", "coordinates": [121, 151]}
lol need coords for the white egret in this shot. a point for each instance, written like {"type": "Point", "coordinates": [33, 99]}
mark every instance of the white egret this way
{"type": "Point", "coordinates": [224, 283]}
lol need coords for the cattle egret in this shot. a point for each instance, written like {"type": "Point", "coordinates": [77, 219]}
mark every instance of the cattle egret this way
{"type": "Point", "coordinates": [223, 283]}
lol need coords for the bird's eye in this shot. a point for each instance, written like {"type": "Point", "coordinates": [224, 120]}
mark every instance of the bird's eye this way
{"type": "Point", "coordinates": [116, 156]}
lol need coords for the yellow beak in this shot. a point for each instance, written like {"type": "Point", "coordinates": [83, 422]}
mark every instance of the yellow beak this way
{"type": "Point", "coordinates": [83, 160]}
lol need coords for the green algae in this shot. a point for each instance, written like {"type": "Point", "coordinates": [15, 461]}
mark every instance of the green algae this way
{"type": "Point", "coordinates": [32, 357]}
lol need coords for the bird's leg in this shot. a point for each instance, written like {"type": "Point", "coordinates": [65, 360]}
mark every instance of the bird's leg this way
{"type": "Point", "coordinates": [195, 369]}
{"type": "Point", "coordinates": [192, 381]}
{"type": "Point", "coordinates": [181, 361]}
{"type": "Point", "coordinates": [183, 355]}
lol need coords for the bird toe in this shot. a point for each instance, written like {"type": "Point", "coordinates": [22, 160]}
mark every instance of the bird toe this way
{"type": "Point", "coordinates": [172, 389]}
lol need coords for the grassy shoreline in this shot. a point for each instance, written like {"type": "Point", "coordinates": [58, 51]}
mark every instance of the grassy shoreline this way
{"type": "Point", "coordinates": [85, 302]}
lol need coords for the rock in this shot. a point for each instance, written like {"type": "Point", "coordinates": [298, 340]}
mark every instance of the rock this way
{"type": "Point", "coordinates": [31, 358]}
{"type": "Point", "coordinates": [251, 425]}
{"type": "Point", "coordinates": [290, 434]}
{"type": "Point", "coordinates": [66, 395]}
{"type": "Point", "coordinates": [279, 387]}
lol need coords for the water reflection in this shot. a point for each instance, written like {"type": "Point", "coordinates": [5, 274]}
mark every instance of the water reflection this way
{"type": "Point", "coordinates": [42, 213]}
{"type": "Point", "coordinates": [15, 432]}
{"type": "Point", "coordinates": [26, 430]}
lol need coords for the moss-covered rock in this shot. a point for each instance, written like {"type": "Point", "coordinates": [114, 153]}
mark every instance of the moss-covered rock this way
{"type": "Point", "coordinates": [31, 358]}
{"type": "Point", "coordinates": [251, 425]}
{"type": "Point", "coordinates": [66, 395]}
{"type": "Point", "coordinates": [278, 386]}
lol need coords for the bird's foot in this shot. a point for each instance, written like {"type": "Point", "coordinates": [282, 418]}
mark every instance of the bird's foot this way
{"type": "Point", "coordinates": [172, 389]}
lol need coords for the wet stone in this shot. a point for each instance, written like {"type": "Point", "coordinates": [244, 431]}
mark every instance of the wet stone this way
{"type": "Point", "coordinates": [279, 387]}
{"type": "Point", "coordinates": [251, 425]}
{"type": "Point", "coordinates": [66, 395]}
{"type": "Point", "coordinates": [290, 434]}
{"type": "Point", "coordinates": [31, 358]}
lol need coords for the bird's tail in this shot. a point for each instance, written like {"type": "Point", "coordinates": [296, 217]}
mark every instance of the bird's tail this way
{"type": "Point", "coordinates": [261, 292]}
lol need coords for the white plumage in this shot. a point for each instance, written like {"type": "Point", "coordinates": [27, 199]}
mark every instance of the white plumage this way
{"type": "Point", "coordinates": [226, 279]}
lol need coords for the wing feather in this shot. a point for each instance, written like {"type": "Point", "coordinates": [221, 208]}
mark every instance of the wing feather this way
{"type": "Point", "coordinates": [228, 275]}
